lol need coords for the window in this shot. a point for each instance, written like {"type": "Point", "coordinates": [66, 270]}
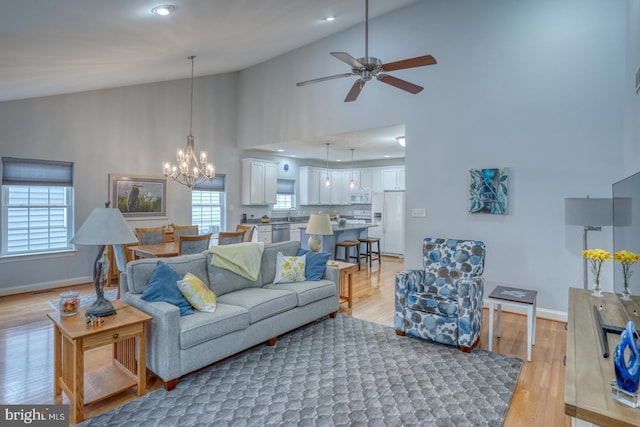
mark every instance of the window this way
{"type": "Point", "coordinates": [37, 206]}
{"type": "Point", "coordinates": [285, 197]}
{"type": "Point", "coordinates": [208, 205]}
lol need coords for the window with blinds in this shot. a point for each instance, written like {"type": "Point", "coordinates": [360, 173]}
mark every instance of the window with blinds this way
{"type": "Point", "coordinates": [285, 197]}
{"type": "Point", "coordinates": [208, 205]}
{"type": "Point", "coordinates": [36, 206]}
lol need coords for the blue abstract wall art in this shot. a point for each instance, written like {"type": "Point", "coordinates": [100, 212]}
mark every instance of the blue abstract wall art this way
{"type": "Point", "coordinates": [488, 191]}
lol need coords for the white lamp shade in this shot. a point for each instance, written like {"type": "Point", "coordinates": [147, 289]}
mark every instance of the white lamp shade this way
{"type": "Point", "coordinates": [319, 224]}
{"type": "Point", "coordinates": [104, 226]}
{"type": "Point", "coordinates": [588, 211]}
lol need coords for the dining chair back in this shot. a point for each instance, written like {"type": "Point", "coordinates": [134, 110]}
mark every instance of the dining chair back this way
{"type": "Point", "coordinates": [248, 231]}
{"type": "Point", "coordinates": [230, 237]}
{"type": "Point", "coordinates": [184, 230]}
{"type": "Point", "coordinates": [150, 236]}
{"type": "Point", "coordinates": [188, 244]}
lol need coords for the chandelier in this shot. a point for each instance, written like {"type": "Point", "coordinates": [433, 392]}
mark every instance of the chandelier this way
{"type": "Point", "coordinates": [190, 169]}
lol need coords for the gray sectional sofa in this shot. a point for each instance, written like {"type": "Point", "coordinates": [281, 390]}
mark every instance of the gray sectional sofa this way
{"type": "Point", "coordinates": [248, 312]}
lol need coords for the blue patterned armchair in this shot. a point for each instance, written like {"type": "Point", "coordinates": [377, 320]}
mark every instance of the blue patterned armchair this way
{"type": "Point", "coordinates": [443, 302]}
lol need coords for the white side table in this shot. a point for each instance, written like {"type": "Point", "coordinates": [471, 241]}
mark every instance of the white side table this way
{"type": "Point", "coordinates": [516, 297]}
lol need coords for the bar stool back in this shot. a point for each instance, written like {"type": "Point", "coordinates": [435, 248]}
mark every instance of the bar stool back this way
{"type": "Point", "coordinates": [369, 252]}
{"type": "Point", "coordinates": [348, 245]}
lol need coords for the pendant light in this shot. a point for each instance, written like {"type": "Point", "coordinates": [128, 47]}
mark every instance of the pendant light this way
{"type": "Point", "coordinates": [352, 183]}
{"type": "Point", "coordinates": [327, 181]}
{"type": "Point", "coordinates": [190, 170]}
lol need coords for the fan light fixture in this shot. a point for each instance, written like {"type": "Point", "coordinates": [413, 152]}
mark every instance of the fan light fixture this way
{"type": "Point", "coordinates": [190, 170]}
{"type": "Point", "coordinates": [163, 10]}
{"type": "Point", "coordinates": [401, 140]}
{"type": "Point", "coordinates": [327, 181]}
{"type": "Point", "coordinates": [352, 183]}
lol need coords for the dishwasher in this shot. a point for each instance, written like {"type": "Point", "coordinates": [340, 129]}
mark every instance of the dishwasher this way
{"type": "Point", "coordinates": [280, 233]}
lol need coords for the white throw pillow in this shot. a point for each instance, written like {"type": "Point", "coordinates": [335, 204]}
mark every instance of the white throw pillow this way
{"type": "Point", "coordinates": [290, 268]}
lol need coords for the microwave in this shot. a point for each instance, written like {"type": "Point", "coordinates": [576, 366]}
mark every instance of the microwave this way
{"type": "Point", "coordinates": [360, 196]}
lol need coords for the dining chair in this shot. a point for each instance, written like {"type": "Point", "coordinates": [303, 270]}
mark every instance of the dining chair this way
{"type": "Point", "coordinates": [150, 236]}
{"type": "Point", "coordinates": [189, 244]}
{"type": "Point", "coordinates": [230, 237]}
{"type": "Point", "coordinates": [248, 229]}
{"type": "Point", "coordinates": [122, 256]}
{"type": "Point", "coordinates": [184, 230]}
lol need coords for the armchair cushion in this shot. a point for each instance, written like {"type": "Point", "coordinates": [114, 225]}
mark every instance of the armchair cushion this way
{"type": "Point", "coordinates": [433, 303]}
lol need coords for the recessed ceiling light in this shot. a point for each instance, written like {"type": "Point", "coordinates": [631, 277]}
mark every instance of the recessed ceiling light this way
{"type": "Point", "coordinates": [280, 150]}
{"type": "Point", "coordinates": [163, 10]}
{"type": "Point", "coordinates": [386, 155]}
{"type": "Point", "coordinates": [338, 160]}
{"type": "Point", "coordinates": [401, 140]}
{"type": "Point", "coordinates": [293, 155]}
{"type": "Point", "coordinates": [330, 18]}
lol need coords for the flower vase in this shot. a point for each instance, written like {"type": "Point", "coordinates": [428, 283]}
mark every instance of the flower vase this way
{"type": "Point", "coordinates": [597, 291]}
{"type": "Point", "coordinates": [626, 293]}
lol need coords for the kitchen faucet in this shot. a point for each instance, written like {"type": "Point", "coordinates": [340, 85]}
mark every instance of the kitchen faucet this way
{"type": "Point", "coordinates": [290, 210]}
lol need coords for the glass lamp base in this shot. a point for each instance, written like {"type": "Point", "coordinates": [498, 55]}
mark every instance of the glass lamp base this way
{"type": "Point", "coordinates": [315, 244]}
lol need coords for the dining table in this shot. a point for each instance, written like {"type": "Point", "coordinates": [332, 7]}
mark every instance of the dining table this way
{"type": "Point", "coordinates": [158, 250]}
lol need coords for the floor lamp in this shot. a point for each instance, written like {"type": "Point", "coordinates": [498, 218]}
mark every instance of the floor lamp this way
{"type": "Point", "coordinates": [592, 215]}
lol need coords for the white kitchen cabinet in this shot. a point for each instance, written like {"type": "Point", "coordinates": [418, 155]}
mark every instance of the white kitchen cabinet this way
{"type": "Point", "coordinates": [376, 180]}
{"type": "Point", "coordinates": [325, 191]}
{"type": "Point", "coordinates": [393, 178]}
{"type": "Point", "coordinates": [340, 193]}
{"type": "Point", "coordinates": [364, 182]}
{"type": "Point", "coordinates": [309, 186]}
{"type": "Point", "coordinates": [264, 233]}
{"type": "Point", "coordinates": [259, 182]}
{"type": "Point", "coordinates": [294, 232]}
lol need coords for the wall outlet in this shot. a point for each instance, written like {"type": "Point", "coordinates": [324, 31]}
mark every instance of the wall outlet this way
{"type": "Point", "coordinates": [418, 212]}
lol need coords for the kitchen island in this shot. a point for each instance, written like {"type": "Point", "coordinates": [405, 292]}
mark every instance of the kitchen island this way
{"type": "Point", "coordinates": [340, 233]}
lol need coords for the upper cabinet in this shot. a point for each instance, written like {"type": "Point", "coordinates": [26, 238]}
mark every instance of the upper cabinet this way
{"type": "Point", "coordinates": [259, 182]}
{"type": "Point", "coordinates": [393, 178]}
{"type": "Point", "coordinates": [309, 186]}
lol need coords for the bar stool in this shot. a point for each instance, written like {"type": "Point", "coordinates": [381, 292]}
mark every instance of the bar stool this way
{"type": "Point", "coordinates": [369, 252]}
{"type": "Point", "coordinates": [348, 245]}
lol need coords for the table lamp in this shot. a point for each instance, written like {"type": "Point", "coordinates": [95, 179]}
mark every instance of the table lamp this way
{"type": "Point", "coordinates": [105, 226]}
{"type": "Point", "coordinates": [590, 213]}
{"type": "Point", "coordinates": [319, 224]}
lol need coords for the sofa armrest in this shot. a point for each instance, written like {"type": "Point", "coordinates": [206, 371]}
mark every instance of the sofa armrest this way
{"type": "Point", "coordinates": [163, 335]}
{"type": "Point", "coordinates": [470, 294]}
{"type": "Point", "coordinates": [333, 274]}
{"type": "Point", "coordinates": [406, 281]}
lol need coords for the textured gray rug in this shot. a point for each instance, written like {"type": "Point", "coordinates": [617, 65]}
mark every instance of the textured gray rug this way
{"type": "Point", "coordinates": [341, 371]}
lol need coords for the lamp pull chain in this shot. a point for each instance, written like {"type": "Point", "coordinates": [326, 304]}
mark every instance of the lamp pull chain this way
{"type": "Point", "coordinates": [191, 109]}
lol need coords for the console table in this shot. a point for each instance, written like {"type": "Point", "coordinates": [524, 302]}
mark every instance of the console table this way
{"type": "Point", "coordinates": [588, 375]}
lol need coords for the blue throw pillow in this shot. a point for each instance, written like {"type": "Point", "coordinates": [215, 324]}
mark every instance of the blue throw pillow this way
{"type": "Point", "coordinates": [316, 263]}
{"type": "Point", "coordinates": [163, 286]}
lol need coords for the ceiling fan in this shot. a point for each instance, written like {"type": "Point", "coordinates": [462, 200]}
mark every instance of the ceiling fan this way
{"type": "Point", "coordinates": [368, 67]}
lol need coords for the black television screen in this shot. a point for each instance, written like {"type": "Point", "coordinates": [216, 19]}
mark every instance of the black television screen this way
{"type": "Point", "coordinates": [626, 229]}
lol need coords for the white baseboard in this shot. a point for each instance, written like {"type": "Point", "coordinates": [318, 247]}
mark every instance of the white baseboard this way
{"type": "Point", "coordinates": [542, 313]}
{"type": "Point", "coordinates": [43, 286]}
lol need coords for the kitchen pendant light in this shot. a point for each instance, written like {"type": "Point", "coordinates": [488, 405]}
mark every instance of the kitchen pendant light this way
{"type": "Point", "coordinates": [190, 170]}
{"type": "Point", "coordinates": [352, 183]}
{"type": "Point", "coordinates": [327, 181]}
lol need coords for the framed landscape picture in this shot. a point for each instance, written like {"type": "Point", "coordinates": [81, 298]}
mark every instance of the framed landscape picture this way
{"type": "Point", "coordinates": [139, 197]}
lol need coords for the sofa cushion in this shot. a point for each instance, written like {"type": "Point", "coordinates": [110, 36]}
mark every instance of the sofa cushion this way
{"type": "Point", "coordinates": [268, 264]}
{"type": "Point", "coordinates": [433, 303]}
{"type": "Point", "coordinates": [197, 293]}
{"type": "Point", "coordinates": [316, 263]}
{"type": "Point", "coordinates": [290, 268]}
{"type": "Point", "coordinates": [202, 326]}
{"type": "Point", "coordinates": [163, 286]}
{"type": "Point", "coordinates": [139, 271]}
{"type": "Point", "coordinates": [309, 291]}
{"type": "Point", "coordinates": [222, 281]}
{"type": "Point", "coordinates": [261, 303]}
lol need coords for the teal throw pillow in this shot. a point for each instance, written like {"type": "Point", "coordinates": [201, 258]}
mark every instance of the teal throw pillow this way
{"type": "Point", "coordinates": [316, 263]}
{"type": "Point", "coordinates": [163, 286]}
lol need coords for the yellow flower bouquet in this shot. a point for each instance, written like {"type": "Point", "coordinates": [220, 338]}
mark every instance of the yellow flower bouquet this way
{"type": "Point", "coordinates": [596, 257]}
{"type": "Point", "coordinates": [626, 258]}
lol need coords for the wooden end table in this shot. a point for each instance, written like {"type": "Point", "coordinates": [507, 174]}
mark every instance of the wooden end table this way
{"type": "Point", "coordinates": [124, 331]}
{"type": "Point", "coordinates": [346, 270]}
{"type": "Point", "coordinates": [523, 298]}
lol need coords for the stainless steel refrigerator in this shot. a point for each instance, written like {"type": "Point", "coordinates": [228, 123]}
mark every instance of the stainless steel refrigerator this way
{"type": "Point", "coordinates": [387, 210]}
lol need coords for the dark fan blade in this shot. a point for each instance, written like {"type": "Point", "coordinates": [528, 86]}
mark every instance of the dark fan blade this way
{"type": "Point", "coordinates": [322, 79]}
{"type": "Point", "coordinates": [419, 61]}
{"type": "Point", "coordinates": [399, 83]}
{"type": "Point", "coordinates": [355, 91]}
{"type": "Point", "coordinates": [345, 57]}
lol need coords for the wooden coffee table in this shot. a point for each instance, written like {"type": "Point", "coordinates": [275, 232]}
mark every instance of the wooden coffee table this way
{"type": "Point", "coordinates": [124, 331]}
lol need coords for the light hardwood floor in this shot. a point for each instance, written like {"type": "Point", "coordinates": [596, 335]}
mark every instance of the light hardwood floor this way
{"type": "Point", "coordinates": [26, 365]}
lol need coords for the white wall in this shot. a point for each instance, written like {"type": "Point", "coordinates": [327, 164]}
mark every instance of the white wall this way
{"type": "Point", "coordinates": [632, 116]}
{"type": "Point", "coordinates": [124, 130]}
{"type": "Point", "coordinates": [535, 85]}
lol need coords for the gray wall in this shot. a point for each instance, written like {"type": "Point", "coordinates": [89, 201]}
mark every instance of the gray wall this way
{"type": "Point", "coordinates": [632, 112]}
{"type": "Point", "coordinates": [124, 130]}
{"type": "Point", "coordinates": [536, 86]}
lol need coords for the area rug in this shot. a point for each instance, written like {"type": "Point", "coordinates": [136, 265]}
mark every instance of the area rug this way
{"type": "Point", "coordinates": [335, 372]}
{"type": "Point", "coordinates": [88, 299]}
